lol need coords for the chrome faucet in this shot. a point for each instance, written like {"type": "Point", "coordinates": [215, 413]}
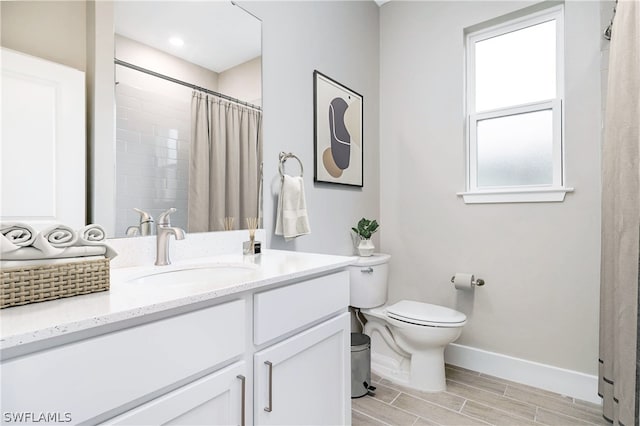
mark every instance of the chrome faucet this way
{"type": "Point", "coordinates": [145, 227]}
{"type": "Point", "coordinates": [164, 230]}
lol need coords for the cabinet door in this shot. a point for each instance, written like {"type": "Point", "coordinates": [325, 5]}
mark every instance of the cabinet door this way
{"type": "Point", "coordinates": [216, 399]}
{"type": "Point", "coordinates": [306, 378]}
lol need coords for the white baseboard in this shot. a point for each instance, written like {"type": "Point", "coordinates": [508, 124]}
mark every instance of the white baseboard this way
{"type": "Point", "coordinates": [559, 380]}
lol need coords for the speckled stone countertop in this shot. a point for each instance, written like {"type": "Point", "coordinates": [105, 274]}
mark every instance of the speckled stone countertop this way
{"type": "Point", "coordinates": [127, 300]}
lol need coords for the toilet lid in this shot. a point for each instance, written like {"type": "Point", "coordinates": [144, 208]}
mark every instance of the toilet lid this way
{"type": "Point", "coordinates": [426, 314]}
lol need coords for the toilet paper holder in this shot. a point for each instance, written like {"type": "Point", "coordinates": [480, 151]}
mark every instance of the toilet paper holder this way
{"type": "Point", "coordinates": [479, 282]}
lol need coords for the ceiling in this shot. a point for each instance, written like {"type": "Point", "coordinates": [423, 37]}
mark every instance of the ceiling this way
{"type": "Point", "coordinates": [217, 35]}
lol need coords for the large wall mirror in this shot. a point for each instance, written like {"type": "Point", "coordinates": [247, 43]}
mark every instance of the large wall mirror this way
{"type": "Point", "coordinates": [188, 115]}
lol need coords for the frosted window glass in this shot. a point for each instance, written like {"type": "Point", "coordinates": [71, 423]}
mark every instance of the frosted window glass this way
{"type": "Point", "coordinates": [515, 150]}
{"type": "Point", "coordinates": [516, 68]}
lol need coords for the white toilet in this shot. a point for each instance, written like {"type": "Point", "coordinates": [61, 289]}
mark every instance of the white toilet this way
{"type": "Point", "coordinates": [408, 337]}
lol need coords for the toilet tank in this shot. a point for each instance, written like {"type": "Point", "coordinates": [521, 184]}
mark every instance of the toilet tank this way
{"type": "Point", "coordinates": [368, 281]}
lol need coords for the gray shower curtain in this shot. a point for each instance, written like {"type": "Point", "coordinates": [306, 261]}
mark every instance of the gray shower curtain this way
{"type": "Point", "coordinates": [618, 372]}
{"type": "Point", "coordinates": [224, 169]}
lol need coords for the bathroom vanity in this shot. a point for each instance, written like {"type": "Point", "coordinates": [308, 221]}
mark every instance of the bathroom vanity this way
{"type": "Point", "coordinates": [226, 342]}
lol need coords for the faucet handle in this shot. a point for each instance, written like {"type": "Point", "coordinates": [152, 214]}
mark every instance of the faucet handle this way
{"type": "Point", "coordinates": [163, 219]}
{"type": "Point", "coordinates": [144, 216]}
{"type": "Point", "coordinates": [146, 226]}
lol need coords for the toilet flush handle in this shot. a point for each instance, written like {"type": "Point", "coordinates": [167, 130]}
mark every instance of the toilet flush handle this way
{"type": "Point", "coordinates": [369, 270]}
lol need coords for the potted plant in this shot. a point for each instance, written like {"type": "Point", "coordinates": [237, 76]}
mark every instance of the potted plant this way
{"type": "Point", "coordinates": [366, 228]}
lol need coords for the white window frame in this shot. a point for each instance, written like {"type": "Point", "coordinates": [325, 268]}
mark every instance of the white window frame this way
{"type": "Point", "coordinates": [522, 193]}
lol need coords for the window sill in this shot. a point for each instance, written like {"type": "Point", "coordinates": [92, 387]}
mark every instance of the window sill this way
{"type": "Point", "coordinates": [521, 195]}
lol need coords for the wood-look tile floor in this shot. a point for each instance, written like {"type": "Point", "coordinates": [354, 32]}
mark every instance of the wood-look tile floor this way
{"type": "Point", "coordinates": [471, 399]}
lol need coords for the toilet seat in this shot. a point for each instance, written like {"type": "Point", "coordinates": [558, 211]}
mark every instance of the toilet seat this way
{"type": "Point", "coordinates": [425, 314]}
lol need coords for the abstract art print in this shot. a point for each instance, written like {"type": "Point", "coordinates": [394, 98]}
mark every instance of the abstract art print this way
{"type": "Point", "coordinates": [338, 132]}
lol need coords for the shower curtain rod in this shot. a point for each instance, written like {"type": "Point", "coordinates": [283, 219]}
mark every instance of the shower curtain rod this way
{"type": "Point", "coordinates": [184, 83]}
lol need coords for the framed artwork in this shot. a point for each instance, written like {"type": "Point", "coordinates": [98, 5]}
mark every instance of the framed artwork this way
{"type": "Point", "coordinates": [338, 129]}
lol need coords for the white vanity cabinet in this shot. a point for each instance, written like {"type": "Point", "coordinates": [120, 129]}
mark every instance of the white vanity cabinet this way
{"type": "Point", "coordinates": [285, 348]}
{"type": "Point", "coordinates": [96, 378]}
{"type": "Point", "coordinates": [304, 379]}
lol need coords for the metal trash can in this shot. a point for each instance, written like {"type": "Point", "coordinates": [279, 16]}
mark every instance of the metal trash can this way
{"type": "Point", "coordinates": [360, 365]}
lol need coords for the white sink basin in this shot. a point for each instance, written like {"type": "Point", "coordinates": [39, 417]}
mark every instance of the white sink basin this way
{"type": "Point", "coordinates": [198, 274]}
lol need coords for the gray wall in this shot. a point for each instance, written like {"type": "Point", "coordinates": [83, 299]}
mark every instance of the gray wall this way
{"type": "Point", "coordinates": [339, 39]}
{"type": "Point", "coordinates": [540, 261]}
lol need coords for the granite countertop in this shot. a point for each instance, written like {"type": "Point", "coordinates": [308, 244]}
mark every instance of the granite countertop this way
{"type": "Point", "coordinates": [127, 300]}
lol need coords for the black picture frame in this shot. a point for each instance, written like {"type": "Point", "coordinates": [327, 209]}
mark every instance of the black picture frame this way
{"type": "Point", "coordinates": [338, 129]}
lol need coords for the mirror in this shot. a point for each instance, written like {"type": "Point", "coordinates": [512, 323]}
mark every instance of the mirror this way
{"type": "Point", "coordinates": [166, 131]}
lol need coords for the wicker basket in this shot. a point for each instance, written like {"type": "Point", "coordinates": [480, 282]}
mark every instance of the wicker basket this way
{"type": "Point", "coordinates": [30, 284]}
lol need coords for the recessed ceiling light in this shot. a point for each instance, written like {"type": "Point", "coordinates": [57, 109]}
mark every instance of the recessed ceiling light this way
{"type": "Point", "coordinates": [176, 41]}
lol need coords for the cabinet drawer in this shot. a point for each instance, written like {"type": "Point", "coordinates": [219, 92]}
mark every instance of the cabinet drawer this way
{"type": "Point", "coordinates": [93, 376]}
{"type": "Point", "coordinates": [284, 309]}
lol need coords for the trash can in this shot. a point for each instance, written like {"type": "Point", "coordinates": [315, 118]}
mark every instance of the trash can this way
{"type": "Point", "coordinates": [360, 365]}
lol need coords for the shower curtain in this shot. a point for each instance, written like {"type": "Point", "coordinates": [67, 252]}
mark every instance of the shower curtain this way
{"type": "Point", "coordinates": [225, 162]}
{"type": "Point", "coordinates": [618, 371]}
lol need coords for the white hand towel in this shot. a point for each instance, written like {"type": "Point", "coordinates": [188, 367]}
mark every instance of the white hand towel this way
{"type": "Point", "coordinates": [94, 235]}
{"type": "Point", "coordinates": [291, 218]}
{"type": "Point", "coordinates": [59, 235]}
{"type": "Point", "coordinates": [91, 234]}
{"type": "Point", "coordinates": [14, 235]}
{"type": "Point", "coordinates": [53, 239]}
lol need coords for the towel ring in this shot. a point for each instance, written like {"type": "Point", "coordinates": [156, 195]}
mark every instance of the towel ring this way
{"type": "Point", "coordinates": [284, 156]}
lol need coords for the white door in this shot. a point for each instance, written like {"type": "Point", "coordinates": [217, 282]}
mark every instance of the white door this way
{"type": "Point", "coordinates": [305, 380]}
{"type": "Point", "coordinates": [216, 399]}
{"type": "Point", "coordinates": [42, 149]}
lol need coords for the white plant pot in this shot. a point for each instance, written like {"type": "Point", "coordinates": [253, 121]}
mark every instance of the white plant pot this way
{"type": "Point", "coordinates": [366, 247]}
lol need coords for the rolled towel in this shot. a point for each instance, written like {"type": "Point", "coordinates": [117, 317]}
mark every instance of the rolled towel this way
{"type": "Point", "coordinates": [53, 239]}
{"type": "Point", "coordinates": [91, 234]}
{"type": "Point", "coordinates": [20, 234]}
{"type": "Point", "coordinates": [60, 236]}
{"type": "Point", "coordinates": [14, 235]}
{"type": "Point", "coordinates": [94, 235]}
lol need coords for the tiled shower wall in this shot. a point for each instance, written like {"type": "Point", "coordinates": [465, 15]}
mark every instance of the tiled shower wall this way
{"type": "Point", "coordinates": [152, 154]}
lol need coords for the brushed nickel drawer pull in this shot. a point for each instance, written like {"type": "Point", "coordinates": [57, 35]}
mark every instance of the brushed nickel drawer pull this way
{"type": "Point", "coordinates": [269, 408]}
{"type": "Point", "coordinates": [242, 404]}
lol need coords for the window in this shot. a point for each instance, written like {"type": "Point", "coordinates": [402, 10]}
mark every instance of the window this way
{"type": "Point", "coordinates": [514, 110]}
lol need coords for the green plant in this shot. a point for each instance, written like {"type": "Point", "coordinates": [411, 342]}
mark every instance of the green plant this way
{"type": "Point", "coordinates": [366, 228]}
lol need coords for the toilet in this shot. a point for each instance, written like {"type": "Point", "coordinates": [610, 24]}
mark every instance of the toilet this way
{"type": "Point", "coordinates": [408, 337]}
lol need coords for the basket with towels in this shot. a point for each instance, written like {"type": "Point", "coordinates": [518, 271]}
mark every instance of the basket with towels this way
{"type": "Point", "coordinates": [54, 262]}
